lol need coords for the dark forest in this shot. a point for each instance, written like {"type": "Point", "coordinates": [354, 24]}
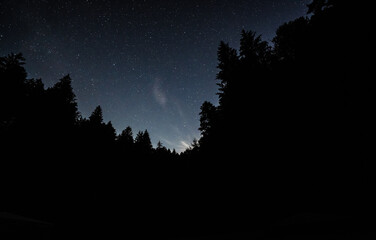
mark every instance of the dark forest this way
{"type": "Point", "coordinates": [292, 137]}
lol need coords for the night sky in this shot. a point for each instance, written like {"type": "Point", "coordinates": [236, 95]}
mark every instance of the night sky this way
{"type": "Point", "coordinates": [150, 64]}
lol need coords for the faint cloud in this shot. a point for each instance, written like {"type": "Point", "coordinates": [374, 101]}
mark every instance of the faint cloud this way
{"type": "Point", "coordinates": [158, 93]}
{"type": "Point", "coordinates": [184, 145]}
{"type": "Point", "coordinates": [170, 143]}
{"type": "Point", "coordinates": [178, 107]}
{"type": "Point", "coordinates": [179, 146]}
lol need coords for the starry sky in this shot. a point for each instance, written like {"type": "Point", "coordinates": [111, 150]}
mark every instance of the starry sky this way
{"type": "Point", "coordinates": [150, 64]}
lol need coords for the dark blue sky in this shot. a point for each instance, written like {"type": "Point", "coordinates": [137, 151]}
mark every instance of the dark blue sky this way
{"type": "Point", "coordinates": [150, 64]}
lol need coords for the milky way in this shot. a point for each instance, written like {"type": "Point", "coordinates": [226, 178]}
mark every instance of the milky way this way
{"type": "Point", "coordinates": [149, 64]}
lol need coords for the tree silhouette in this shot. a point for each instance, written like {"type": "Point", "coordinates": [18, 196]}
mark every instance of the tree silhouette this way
{"type": "Point", "coordinates": [125, 140]}
{"type": "Point", "coordinates": [195, 144]}
{"type": "Point", "coordinates": [207, 118]}
{"type": "Point", "coordinates": [12, 91]}
{"type": "Point", "coordinates": [65, 151]}
{"type": "Point", "coordinates": [62, 105]}
{"type": "Point", "coordinates": [162, 153]}
{"type": "Point", "coordinates": [96, 117]}
{"type": "Point", "coordinates": [160, 146]}
{"type": "Point", "coordinates": [317, 6]}
{"type": "Point", "coordinates": [100, 134]}
{"type": "Point", "coordinates": [12, 70]}
{"type": "Point", "coordinates": [293, 101]}
{"type": "Point", "coordinates": [253, 51]}
{"type": "Point", "coordinates": [143, 143]}
{"type": "Point", "coordinates": [228, 65]}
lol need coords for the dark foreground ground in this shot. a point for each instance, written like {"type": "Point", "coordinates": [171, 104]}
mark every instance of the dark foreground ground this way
{"type": "Point", "coordinates": [144, 204]}
{"type": "Point", "coordinates": [299, 226]}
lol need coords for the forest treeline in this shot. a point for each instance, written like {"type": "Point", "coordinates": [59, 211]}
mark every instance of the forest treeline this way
{"type": "Point", "coordinates": [35, 118]}
{"type": "Point", "coordinates": [293, 131]}
{"type": "Point", "coordinates": [295, 116]}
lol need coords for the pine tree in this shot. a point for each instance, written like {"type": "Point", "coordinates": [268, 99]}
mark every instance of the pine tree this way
{"type": "Point", "coordinates": [62, 103]}
{"type": "Point", "coordinates": [143, 142]}
{"type": "Point", "coordinates": [125, 138]}
{"type": "Point", "coordinates": [228, 62]}
{"type": "Point", "coordinates": [207, 118]}
{"type": "Point", "coordinates": [96, 117]}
